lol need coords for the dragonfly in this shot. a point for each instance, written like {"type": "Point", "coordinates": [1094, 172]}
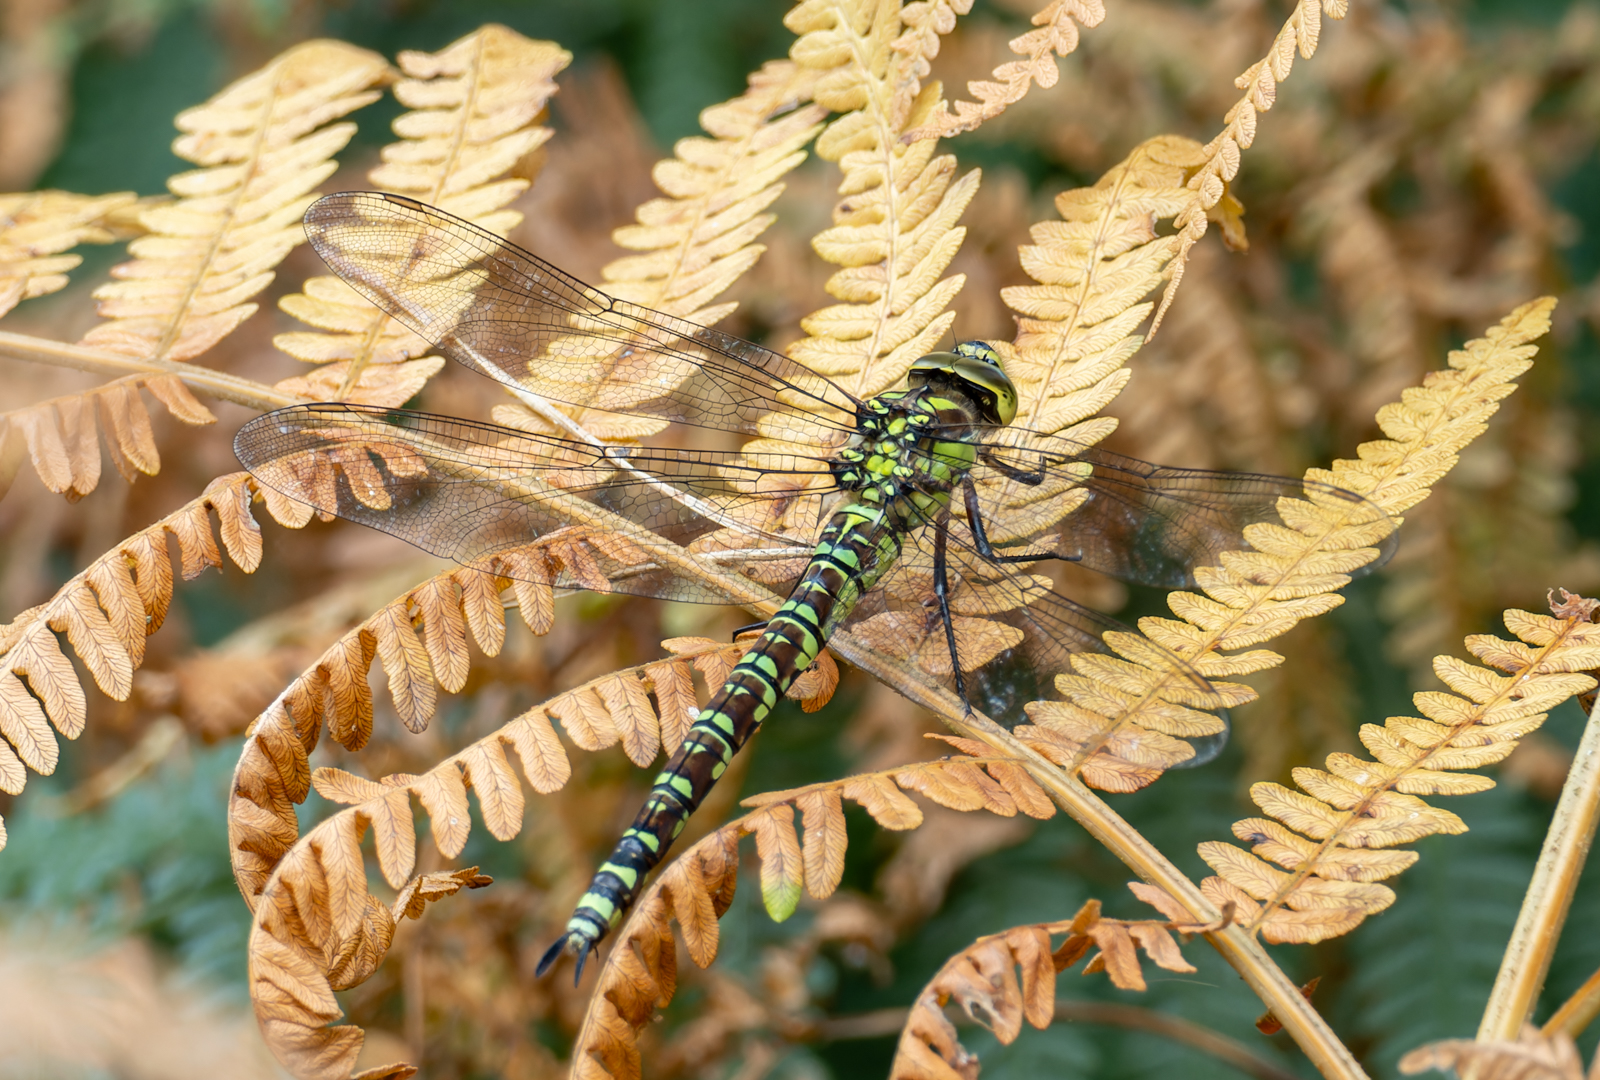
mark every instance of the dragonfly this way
{"type": "Point", "coordinates": [918, 517]}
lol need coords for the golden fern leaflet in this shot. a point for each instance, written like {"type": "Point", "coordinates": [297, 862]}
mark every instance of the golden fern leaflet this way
{"type": "Point", "coordinates": [890, 539]}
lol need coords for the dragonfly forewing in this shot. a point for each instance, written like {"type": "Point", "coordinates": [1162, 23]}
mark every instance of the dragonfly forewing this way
{"type": "Point", "coordinates": [508, 314]}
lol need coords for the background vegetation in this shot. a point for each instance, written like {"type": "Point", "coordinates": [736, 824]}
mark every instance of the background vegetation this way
{"type": "Point", "coordinates": [1432, 167]}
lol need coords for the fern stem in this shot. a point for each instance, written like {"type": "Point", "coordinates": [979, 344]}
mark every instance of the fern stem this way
{"type": "Point", "coordinates": [883, 1022]}
{"type": "Point", "coordinates": [1549, 896]}
{"type": "Point", "coordinates": [1176, 1028]}
{"type": "Point", "coordinates": [1240, 949]}
{"type": "Point", "coordinates": [1577, 1011]}
{"type": "Point", "coordinates": [246, 392]}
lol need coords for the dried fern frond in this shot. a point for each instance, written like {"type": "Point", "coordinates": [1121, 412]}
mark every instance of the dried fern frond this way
{"type": "Point", "coordinates": [1358, 807]}
{"type": "Point", "coordinates": [1336, 841]}
{"type": "Point", "coordinates": [321, 931]}
{"type": "Point", "coordinates": [272, 775]}
{"type": "Point", "coordinates": [1209, 184]}
{"type": "Point", "coordinates": [36, 227]}
{"type": "Point", "coordinates": [106, 612]}
{"type": "Point", "coordinates": [982, 980]}
{"type": "Point", "coordinates": [263, 144]}
{"type": "Point", "coordinates": [61, 435]}
{"type": "Point", "coordinates": [894, 227]}
{"type": "Point", "coordinates": [475, 111]}
{"type": "Point", "coordinates": [701, 237]}
{"type": "Point", "coordinates": [1294, 570]}
{"type": "Point", "coordinates": [1095, 267]}
{"type": "Point", "coordinates": [1534, 1056]}
{"type": "Point", "coordinates": [1057, 34]}
{"type": "Point", "coordinates": [316, 928]}
{"type": "Point", "coordinates": [639, 975]}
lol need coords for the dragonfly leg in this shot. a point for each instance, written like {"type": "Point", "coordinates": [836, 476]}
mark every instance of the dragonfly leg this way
{"type": "Point", "coordinates": [746, 628]}
{"type": "Point", "coordinates": [941, 590]}
{"type": "Point", "coordinates": [980, 536]}
{"type": "Point", "coordinates": [1011, 472]}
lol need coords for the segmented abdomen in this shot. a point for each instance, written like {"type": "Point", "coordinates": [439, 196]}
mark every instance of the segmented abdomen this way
{"type": "Point", "coordinates": [854, 551]}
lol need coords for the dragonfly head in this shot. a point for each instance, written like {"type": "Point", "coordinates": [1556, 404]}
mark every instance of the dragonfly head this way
{"type": "Point", "coordinates": [975, 366]}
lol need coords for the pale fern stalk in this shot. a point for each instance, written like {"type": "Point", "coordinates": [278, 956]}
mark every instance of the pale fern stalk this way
{"type": "Point", "coordinates": [217, 384]}
{"type": "Point", "coordinates": [1549, 897]}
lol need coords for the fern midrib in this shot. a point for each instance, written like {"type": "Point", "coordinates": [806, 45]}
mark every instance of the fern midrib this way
{"type": "Point", "coordinates": [888, 139]}
{"type": "Point", "coordinates": [1307, 868]}
{"type": "Point", "coordinates": [703, 203]}
{"type": "Point", "coordinates": [1075, 329]}
{"type": "Point", "coordinates": [380, 320]}
{"type": "Point", "coordinates": [1441, 418]}
{"type": "Point", "coordinates": [174, 329]}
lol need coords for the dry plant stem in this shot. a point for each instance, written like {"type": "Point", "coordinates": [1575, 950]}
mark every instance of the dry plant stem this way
{"type": "Point", "coordinates": [246, 392]}
{"type": "Point", "coordinates": [1577, 1011]}
{"type": "Point", "coordinates": [1549, 896]}
{"type": "Point", "coordinates": [1177, 1029]}
{"type": "Point", "coordinates": [1243, 952]}
{"type": "Point", "coordinates": [881, 1022]}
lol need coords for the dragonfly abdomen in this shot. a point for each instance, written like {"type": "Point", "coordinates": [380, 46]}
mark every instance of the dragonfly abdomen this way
{"type": "Point", "coordinates": [854, 551]}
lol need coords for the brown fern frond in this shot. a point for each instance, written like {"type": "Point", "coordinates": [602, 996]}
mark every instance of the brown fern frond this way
{"type": "Point", "coordinates": [976, 782]}
{"type": "Point", "coordinates": [273, 773]}
{"type": "Point", "coordinates": [317, 929]}
{"type": "Point", "coordinates": [1292, 573]}
{"type": "Point", "coordinates": [263, 144]}
{"type": "Point", "coordinates": [639, 974]}
{"type": "Point", "coordinates": [320, 930]}
{"type": "Point", "coordinates": [1208, 185]}
{"type": "Point", "coordinates": [475, 111]}
{"type": "Point", "coordinates": [106, 612]}
{"type": "Point", "coordinates": [700, 238]}
{"type": "Point", "coordinates": [1335, 841]}
{"type": "Point", "coordinates": [639, 977]}
{"type": "Point", "coordinates": [1096, 268]}
{"type": "Point", "coordinates": [983, 980]}
{"type": "Point", "coordinates": [1057, 34]}
{"type": "Point", "coordinates": [1535, 1056]}
{"type": "Point", "coordinates": [38, 226]}
{"type": "Point", "coordinates": [61, 436]}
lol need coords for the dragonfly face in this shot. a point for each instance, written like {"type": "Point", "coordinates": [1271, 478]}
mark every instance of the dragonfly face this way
{"type": "Point", "coordinates": [977, 365]}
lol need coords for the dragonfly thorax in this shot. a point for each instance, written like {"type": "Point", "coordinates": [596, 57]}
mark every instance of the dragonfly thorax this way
{"type": "Point", "coordinates": [911, 449]}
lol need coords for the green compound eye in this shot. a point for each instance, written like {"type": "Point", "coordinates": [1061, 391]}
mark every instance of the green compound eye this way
{"type": "Point", "coordinates": [977, 364]}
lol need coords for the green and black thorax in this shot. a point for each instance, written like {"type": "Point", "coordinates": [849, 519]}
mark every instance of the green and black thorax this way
{"type": "Point", "coordinates": [913, 447]}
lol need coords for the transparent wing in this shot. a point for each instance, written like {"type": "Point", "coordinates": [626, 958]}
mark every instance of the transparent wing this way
{"type": "Point", "coordinates": [467, 491]}
{"type": "Point", "coordinates": [1144, 523]}
{"type": "Point", "coordinates": [512, 316]}
{"type": "Point", "coordinates": [1014, 634]}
